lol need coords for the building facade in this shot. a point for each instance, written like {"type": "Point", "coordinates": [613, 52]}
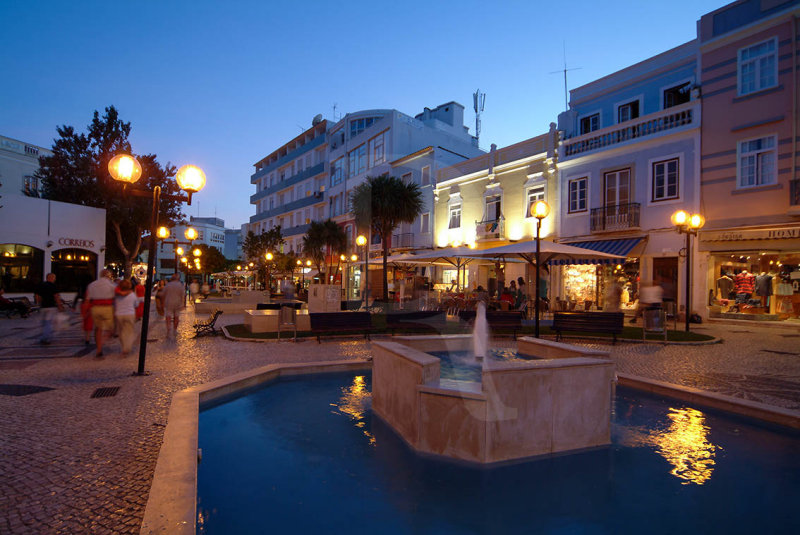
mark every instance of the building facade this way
{"type": "Point", "coordinates": [211, 231]}
{"type": "Point", "coordinates": [749, 177]}
{"type": "Point", "coordinates": [38, 236]}
{"type": "Point", "coordinates": [629, 158]}
{"type": "Point", "coordinates": [486, 202]}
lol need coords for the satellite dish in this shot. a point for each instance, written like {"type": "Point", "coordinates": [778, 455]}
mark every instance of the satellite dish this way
{"type": "Point", "coordinates": [316, 120]}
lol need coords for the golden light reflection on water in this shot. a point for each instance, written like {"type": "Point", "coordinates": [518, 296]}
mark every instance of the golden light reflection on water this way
{"type": "Point", "coordinates": [685, 445]}
{"type": "Point", "coordinates": [353, 403]}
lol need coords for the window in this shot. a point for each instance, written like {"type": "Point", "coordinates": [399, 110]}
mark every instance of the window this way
{"type": "Point", "coordinates": [359, 125]}
{"type": "Point", "coordinates": [577, 195]}
{"type": "Point", "coordinates": [758, 66]}
{"type": "Point", "coordinates": [426, 175]}
{"type": "Point", "coordinates": [628, 111]}
{"type": "Point", "coordinates": [680, 94]}
{"type": "Point", "coordinates": [425, 223]}
{"type": "Point", "coordinates": [377, 154]}
{"type": "Point", "coordinates": [358, 160]}
{"type": "Point", "coordinates": [455, 216]}
{"type": "Point", "coordinates": [757, 159]}
{"type": "Point", "coordinates": [337, 171]}
{"type": "Point", "coordinates": [493, 210]}
{"type": "Point", "coordinates": [535, 194]}
{"type": "Point", "coordinates": [271, 202]}
{"type": "Point", "coordinates": [590, 123]}
{"type": "Point", "coordinates": [31, 184]}
{"type": "Point", "coordinates": [665, 180]}
{"type": "Point", "coordinates": [407, 178]}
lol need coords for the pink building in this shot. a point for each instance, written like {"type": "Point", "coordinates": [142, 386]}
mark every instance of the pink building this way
{"type": "Point", "coordinates": [748, 266]}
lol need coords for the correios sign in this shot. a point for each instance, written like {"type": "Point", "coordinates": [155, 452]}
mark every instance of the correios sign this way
{"type": "Point", "coordinates": [72, 242]}
{"type": "Point", "coordinates": [760, 234]}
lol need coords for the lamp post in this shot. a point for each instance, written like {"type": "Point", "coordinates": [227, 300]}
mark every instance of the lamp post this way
{"type": "Point", "coordinates": [689, 225]}
{"type": "Point", "coordinates": [269, 256]}
{"type": "Point", "coordinates": [539, 210]}
{"type": "Point", "coordinates": [190, 179]}
{"type": "Point", "coordinates": [362, 241]}
{"type": "Point", "coordinates": [191, 234]}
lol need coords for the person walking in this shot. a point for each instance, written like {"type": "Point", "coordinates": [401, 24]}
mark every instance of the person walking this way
{"type": "Point", "coordinates": [138, 289]}
{"type": "Point", "coordinates": [125, 314]}
{"type": "Point", "coordinates": [174, 295]}
{"type": "Point", "coordinates": [100, 294]}
{"type": "Point", "coordinates": [49, 300]}
{"type": "Point", "coordinates": [650, 297]}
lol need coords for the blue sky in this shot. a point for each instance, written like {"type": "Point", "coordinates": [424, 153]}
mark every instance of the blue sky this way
{"type": "Point", "coordinates": [222, 84]}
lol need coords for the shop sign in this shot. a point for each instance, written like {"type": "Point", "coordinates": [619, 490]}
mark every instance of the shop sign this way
{"type": "Point", "coordinates": [72, 242]}
{"type": "Point", "coordinates": [762, 234]}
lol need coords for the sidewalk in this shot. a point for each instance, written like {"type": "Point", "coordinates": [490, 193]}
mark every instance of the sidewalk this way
{"type": "Point", "coordinates": [72, 463]}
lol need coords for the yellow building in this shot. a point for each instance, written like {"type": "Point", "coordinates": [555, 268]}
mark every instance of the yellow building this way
{"type": "Point", "coordinates": [485, 201]}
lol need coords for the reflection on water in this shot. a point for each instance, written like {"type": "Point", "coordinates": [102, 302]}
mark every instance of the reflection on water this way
{"type": "Point", "coordinates": [685, 445]}
{"type": "Point", "coordinates": [355, 403]}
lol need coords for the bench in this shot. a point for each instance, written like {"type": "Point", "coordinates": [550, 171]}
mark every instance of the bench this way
{"type": "Point", "coordinates": [598, 322]}
{"type": "Point", "coordinates": [497, 319]}
{"type": "Point", "coordinates": [207, 327]}
{"type": "Point", "coordinates": [340, 322]}
{"type": "Point", "coordinates": [427, 319]}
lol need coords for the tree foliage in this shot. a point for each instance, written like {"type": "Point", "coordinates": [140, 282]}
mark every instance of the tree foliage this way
{"type": "Point", "coordinates": [381, 204]}
{"type": "Point", "coordinates": [325, 240]}
{"type": "Point", "coordinates": [211, 259]}
{"type": "Point", "coordinates": [255, 246]}
{"type": "Point", "coordinates": [77, 173]}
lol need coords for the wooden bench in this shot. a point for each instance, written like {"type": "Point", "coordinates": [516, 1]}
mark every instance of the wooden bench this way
{"type": "Point", "coordinates": [596, 322]}
{"type": "Point", "coordinates": [497, 319]}
{"type": "Point", "coordinates": [207, 327]}
{"type": "Point", "coordinates": [340, 322]}
{"type": "Point", "coordinates": [426, 319]}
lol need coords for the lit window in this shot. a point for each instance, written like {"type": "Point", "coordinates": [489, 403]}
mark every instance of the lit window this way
{"type": "Point", "coordinates": [493, 210]}
{"type": "Point", "coordinates": [758, 66]}
{"type": "Point", "coordinates": [665, 180]}
{"type": "Point", "coordinates": [535, 194]}
{"type": "Point", "coordinates": [455, 216]}
{"type": "Point", "coordinates": [757, 159]}
{"type": "Point", "coordinates": [577, 195]}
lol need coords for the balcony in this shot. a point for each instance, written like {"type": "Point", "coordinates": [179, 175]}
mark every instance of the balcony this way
{"type": "Point", "coordinates": [615, 217]}
{"type": "Point", "coordinates": [686, 115]}
{"type": "Point", "coordinates": [403, 241]}
{"type": "Point", "coordinates": [291, 181]}
{"type": "Point", "coordinates": [286, 208]}
{"type": "Point", "coordinates": [490, 230]}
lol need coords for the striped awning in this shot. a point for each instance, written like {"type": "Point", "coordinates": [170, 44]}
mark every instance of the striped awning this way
{"type": "Point", "coordinates": [619, 248]}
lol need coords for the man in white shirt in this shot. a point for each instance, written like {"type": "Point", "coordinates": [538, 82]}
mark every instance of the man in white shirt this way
{"type": "Point", "coordinates": [100, 295]}
{"type": "Point", "coordinates": [125, 314]}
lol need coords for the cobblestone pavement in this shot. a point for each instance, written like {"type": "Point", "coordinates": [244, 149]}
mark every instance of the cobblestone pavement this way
{"type": "Point", "coordinates": [76, 464]}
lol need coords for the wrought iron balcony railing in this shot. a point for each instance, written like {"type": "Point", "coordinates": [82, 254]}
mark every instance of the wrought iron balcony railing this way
{"type": "Point", "coordinates": [615, 217]}
{"type": "Point", "coordinates": [403, 241]}
{"type": "Point", "coordinates": [490, 230]}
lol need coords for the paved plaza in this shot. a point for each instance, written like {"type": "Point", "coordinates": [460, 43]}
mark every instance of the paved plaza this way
{"type": "Point", "coordinates": [72, 463]}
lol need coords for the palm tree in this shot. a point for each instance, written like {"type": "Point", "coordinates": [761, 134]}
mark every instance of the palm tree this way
{"type": "Point", "coordinates": [322, 235]}
{"type": "Point", "coordinates": [381, 204]}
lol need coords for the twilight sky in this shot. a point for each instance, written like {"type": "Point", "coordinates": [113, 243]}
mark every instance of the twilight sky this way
{"type": "Point", "coordinates": [222, 84]}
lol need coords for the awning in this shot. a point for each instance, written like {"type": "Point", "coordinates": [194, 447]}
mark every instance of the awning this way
{"type": "Point", "coordinates": [618, 248]}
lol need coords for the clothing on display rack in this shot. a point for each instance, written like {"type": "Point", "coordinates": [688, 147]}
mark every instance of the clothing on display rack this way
{"type": "Point", "coordinates": [764, 285]}
{"type": "Point", "coordinates": [744, 283]}
{"type": "Point", "coordinates": [725, 286]}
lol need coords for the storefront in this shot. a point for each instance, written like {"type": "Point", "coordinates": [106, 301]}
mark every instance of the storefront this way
{"type": "Point", "coordinates": [38, 236]}
{"type": "Point", "coordinates": [752, 273]}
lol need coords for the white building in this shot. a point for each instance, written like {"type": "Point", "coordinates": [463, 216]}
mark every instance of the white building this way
{"type": "Point", "coordinates": [210, 231]}
{"type": "Point", "coordinates": [38, 236]}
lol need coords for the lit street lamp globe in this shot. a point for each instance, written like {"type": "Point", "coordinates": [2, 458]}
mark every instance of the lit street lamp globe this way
{"type": "Point", "coordinates": [697, 221]}
{"type": "Point", "coordinates": [269, 257]}
{"type": "Point", "coordinates": [190, 233]}
{"type": "Point", "coordinates": [197, 252]}
{"type": "Point", "coordinates": [299, 262]}
{"type": "Point", "coordinates": [190, 178]}
{"type": "Point", "coordinates": [184, 260]}
{"type": "Point", "coordinates": [308, 263]}
{"type": "Point", "coordinates": [162, 232]}
{"type": "Point", "coordinates": [540, 209]}
{"type": "Point", "coordinates": [680, 218]}
{"type": "Point", "coordinates": [125, 168]}
{"type": "Point", "coordinates": [361, 240]}
{"type": "Point", "coordinates": [179, 251]}
{"type": "Point", "coordinates": [353, 258]}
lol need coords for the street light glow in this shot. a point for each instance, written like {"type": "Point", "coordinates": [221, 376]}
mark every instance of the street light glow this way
{"type": "Point", "coordinates": [540, 210]}
{"type": "Point", "coordinates": [361, 240]}
{"type": "Point", "coordinates": [680, 218]}
{"type": "Point", "coordinates": [190, 178]}
{"type": "Point", "coordinates": [179, 251]}
{"type": "Point", "coordinates": [162, 232]}
{"type": "Point", "coordinates": [697, 221]}
{"type": "Point", "coordinates": [353, 258]}
{"type": "Point", "coordinates": [190, 233]}
{"type": "Point", "coordinates": [197, 252]}
{"type": "Point", "coordinates": [269, 257]}
{"type": "Point", "coordinates": [125, 168]}
{"type": "Point", "coordinates": [308, 263]}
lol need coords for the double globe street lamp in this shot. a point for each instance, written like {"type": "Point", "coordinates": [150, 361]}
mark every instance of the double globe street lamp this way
{"type": "Point", "coordinates": [539, 210]}
{"type": "Point", "coordinates": [689, 225]}
{"type": "Point", "coordinates": [191, 179]}
{"type": "Point", "coordinates": [190, 234]}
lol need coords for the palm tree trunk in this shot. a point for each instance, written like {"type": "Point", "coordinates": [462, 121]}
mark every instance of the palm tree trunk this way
{"type": "Point", "coordinates": [385, 269]}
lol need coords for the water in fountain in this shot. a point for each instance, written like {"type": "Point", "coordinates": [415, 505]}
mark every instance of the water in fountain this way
{"type": "Point", "coordinates": [480, 332]}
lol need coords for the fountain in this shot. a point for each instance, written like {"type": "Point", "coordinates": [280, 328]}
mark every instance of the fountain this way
{"type": "Point", "coordinates": [480, 332]}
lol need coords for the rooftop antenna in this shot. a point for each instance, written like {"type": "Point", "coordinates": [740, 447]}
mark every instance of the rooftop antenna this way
{"type": "Point", "coordinates": [564, 70]}
{"type": "Point", "coordinates": [478, 102]}
{"type": "Point", "coordinates": [335, 105]}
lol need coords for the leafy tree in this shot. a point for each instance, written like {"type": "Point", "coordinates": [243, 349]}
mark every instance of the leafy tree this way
{"type": "Point", "coordinates": [211, 260]}
{"type": "Point", "coordinates": [322, 240]}
{"type": "Point", "coordinates": [255, 246]}
{"type": "Point", "coordinates": [77, 172]}
{"type": "Point", "coordinates": [381, 204]}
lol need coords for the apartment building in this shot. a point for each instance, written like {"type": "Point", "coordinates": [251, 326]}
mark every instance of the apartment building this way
{"type": "Point", "coordinates": [486, 202]}
{"type": "Point", "coordinates": [629, 158]}
{"type": "Point", "coordinates": [749, 178]}
{"type": "Point", "coordinates": [211, 231]}
{"type": "Point", "coordinates": [291, 183]}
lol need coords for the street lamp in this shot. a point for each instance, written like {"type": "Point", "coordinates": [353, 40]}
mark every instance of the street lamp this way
{"type": "Point", "coordinates": [124, 168]}
{"type": "Point", "coordinates": [689, 225]}
{"type": "Point", "coordinates": [362, 242]}
{"type": "Point", "coordinates": [539, 210]}
{"type": "Point", "coordinates": [191, 234]}
{"type": "Point", "coordinates": [197, 252]}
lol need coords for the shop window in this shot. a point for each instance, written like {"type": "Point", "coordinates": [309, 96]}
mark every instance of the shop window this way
{"type": "Point", "coordinates": [590, 123]}
{"type": "Point", "coordinates": [757, 159]}
{"type": "Point", "coordinates": [665, 180]}
{"type": "Point", "coordinates": [20, 267]}
{"type": "Point", "coordinates": [680, 94]}
{"type": "Point", "coordinates": [577, 195]}
{"type": "Point", "coordinates": [535, 194]}
{"type": "Point", "coordinates": [758, 66]}
{"type": "Point", "coordinates": [455, 216]}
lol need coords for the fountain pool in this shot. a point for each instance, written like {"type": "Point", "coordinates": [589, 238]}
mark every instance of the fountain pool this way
{"type": "Point", "coordinates": [307, 455]}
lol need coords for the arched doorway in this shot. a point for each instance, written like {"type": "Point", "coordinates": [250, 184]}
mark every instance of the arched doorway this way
{"type": "Point", "coordinates": [20, 267]}
{"type": "Point", "coordinates": [73, 268]}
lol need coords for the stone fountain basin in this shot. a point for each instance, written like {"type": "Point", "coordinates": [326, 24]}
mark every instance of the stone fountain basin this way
{"type": "Point", "coordinates": [558, 402]}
